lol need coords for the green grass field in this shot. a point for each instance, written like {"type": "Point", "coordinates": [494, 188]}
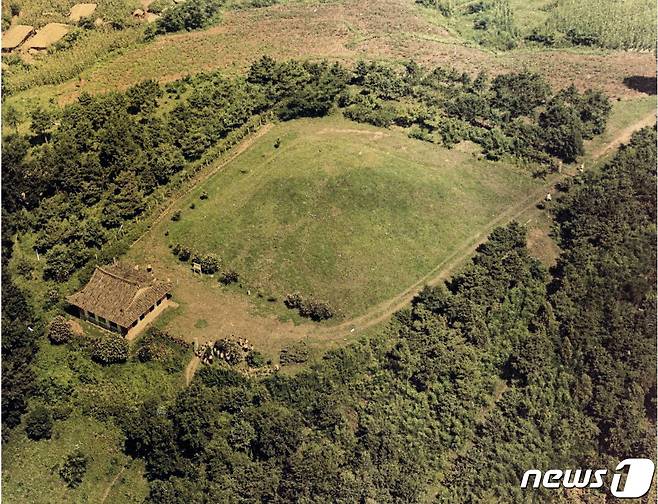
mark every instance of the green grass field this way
{"type": "Point", "coordinates": [30, 468]}
{"type": "Point", "coordinates": [67, 378]}
{"type": "Point", "coordinates": [342, 212]}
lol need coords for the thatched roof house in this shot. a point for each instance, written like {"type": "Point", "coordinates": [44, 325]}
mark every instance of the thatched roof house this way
{"type": "Point", "coordinates": [119, 298]}
{"type": "Point", "coordinates": [15, 36]}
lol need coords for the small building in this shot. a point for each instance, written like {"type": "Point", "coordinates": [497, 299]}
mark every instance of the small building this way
{"type": "Point", "coordinates": [15, 36]}
{"type": "Point", "coordinates": [47, 36]}
{"type": "Point", "coordinates": [121, 299]}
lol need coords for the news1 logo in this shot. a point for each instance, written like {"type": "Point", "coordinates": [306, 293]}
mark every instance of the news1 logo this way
{"type": "Point", "coordinates": [637, 484]}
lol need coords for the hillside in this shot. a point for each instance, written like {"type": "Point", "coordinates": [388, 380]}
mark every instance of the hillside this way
{"type": "Point", "coordinates": [409, 248]}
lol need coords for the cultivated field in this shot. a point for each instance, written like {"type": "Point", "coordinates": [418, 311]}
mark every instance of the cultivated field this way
{"type": "Point", "coordinates": [344, 30]}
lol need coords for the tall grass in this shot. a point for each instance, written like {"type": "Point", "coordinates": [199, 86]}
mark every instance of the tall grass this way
{"type": "Point", "coordinates": [614, 24]}
{"type": "Point", "coordinates": [60, 66]}
{"type": "Point", "coordinates": [40, 12]}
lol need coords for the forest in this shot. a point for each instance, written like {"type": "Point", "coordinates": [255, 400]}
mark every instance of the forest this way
{"type": "Point", "coordinates": [503, 355]}
{"type": "Point", "coordinates": [496, 371]}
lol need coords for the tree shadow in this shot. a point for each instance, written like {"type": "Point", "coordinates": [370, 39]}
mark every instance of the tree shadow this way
{"type": "Point", "coordinates": [641, 83]}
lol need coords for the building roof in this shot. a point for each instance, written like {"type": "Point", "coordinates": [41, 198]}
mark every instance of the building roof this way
{"type": "Point", "coordinates": [15, 36]}
{"type": "Point", "coordinates": [47, 36]}
{"type": "Point", "coordinates": [120, 293]}
{"type": "Point", "coordinates": [78, 11]}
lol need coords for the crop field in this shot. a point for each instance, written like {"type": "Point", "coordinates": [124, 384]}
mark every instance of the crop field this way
{"type": "Point", "coordinates": [344, 30]}
{"type": "Point", "coordinates": [342, 212]}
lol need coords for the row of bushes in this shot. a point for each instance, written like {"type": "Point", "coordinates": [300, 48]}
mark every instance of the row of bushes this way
{"type": "Point", "coordinates": [309, 308]}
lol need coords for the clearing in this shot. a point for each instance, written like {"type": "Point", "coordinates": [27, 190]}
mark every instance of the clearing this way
{"type": "Point", "coordinates": [343, 212]}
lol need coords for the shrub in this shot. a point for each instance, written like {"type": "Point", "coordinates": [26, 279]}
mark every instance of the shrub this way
{"type": "Point", "coordinates": [74, 469]}
{"type": "Point", "coordinates": [316, 310]}
{"type": "Point", "coordinates": [39, 423]}
{"type": "Point", "coordinates": [310, 308]}
{"type": "Point", "coordinates": [229, 277]}
{"type": "Point", "coordinates": [110, 349]}
{"type": "Point", "coordinates": [160, 346]}
{"type": "Point", "coordinates": [59, 331]}
{"type": "Point", "coordinates": [184, 254]}
{"type": "Point", "coordinates": [255, 359]}
{"type": "Point", "coordinates": [157, 6]}
{"type": "Point", "coordinates": [210, 264]}
{"type": "Point", "coordinates": [176, 216]}
{"type": "Point", "coordinates": [204, 195]}
{"type": "Point", "coordinates": [295, 353]}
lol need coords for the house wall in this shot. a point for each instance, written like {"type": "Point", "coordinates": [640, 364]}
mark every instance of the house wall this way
{"type": "Point", "coordinates": [148, 317]}
{"type": "Point", "coordinates": [136, 327]}
{"type": "Point", "coordinates": [100, 321]}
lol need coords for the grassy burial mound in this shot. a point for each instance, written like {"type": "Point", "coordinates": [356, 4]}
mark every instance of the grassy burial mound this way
{"type": "Point", "coordinates": [341, 212]}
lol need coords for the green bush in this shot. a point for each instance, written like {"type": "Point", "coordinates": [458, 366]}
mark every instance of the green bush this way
{"type": "Point", "coordinates": [110, 349]}
{"type": "Point", "coordinates": [59, 331]}
{"type": "Point", "coordinates": [74, 469]}
{"type": "Point", "coordinates": [255, 359]}
{"type": "Point", "coordinates": [295, 353]}
{"type": "Point", "coordinates": [39, 423]}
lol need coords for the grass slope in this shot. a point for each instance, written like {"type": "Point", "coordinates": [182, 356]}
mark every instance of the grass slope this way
{"type": "Point", "coordinates": [31, 468]}
{"type": "Point", "coordinates": [344, 212]}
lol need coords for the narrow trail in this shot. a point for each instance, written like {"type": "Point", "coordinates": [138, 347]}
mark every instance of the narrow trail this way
{"type": "Point", "coordinates": [111, 485]}
{"type": "Point", "coordinates": [190, 369]}
{"type": "Point", "coordinates": [205, 175]}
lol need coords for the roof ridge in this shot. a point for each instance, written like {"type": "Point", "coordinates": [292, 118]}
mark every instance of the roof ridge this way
{"type": "Point", "coordinates": [119, 277]}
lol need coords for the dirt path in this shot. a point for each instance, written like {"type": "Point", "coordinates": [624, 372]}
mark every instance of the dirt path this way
{"type": "Point", "coordinates": [190, 369]}
{"type": "Point", "coordinates": [624, 136]}
{"type": "Point", "coordinates": [112, 483]}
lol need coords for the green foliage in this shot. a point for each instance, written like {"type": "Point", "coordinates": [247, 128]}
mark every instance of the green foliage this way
{"type": "Point", "coordinates": [73, 469]}
{"type": "Point", "coordinates": [294, 353]}
{"type": "Point", "coordinates": [160, 346]}
{"type": "Point", "coordinates": [562, 130]}
{"type": "Point", "coordinates": [39, 423]}
{"type": "Point", "coordinates": [59, 331]}
{"type": "Point", "coordinates": [188, 16]}
{"type": "Point", "coordinates": [110, 349]}
{"type": "Point", "coordinates": [255, 359]}
{"type": "Point", "coordinates": [310, 308]}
